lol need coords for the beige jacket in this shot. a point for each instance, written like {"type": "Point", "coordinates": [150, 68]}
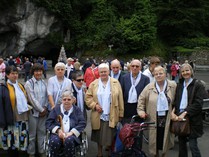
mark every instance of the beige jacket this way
{"type": "Point", "coordinates": [148, 102]}
{"type": "Point", "coordinates": [116, 107]}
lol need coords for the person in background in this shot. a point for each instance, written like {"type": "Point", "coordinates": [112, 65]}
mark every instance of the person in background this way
{"type": "Point", "coordinates": [105, 99]}
{"type": "Point", "coordinates": [11, 61]}
{"type": "Point", "coordinates": [116, 71]}
{"type": "Point", "coordinates": [168, 68]}
{"type": "Point", "coordinates": [182, 108]}
{"type": "Point", "coordinates": [57, 85]}
{"type": "Point", "coordinates": [155, 105]}
{"type": "Point", "coordinates": [18, 61]}
{"type": "Point", "coordinates": [132, 85]}
{"type": "Point", "coordinates": [67, 134]}
{"type": "Point", "coordinates": [27, 65]}
{"type": "Point", "coordinates": [2, 69]}
{"type": "Point", "coordinates": [69, 68]}
{"type": "Point", "coordinates": [78, 91]}
{"type": "Point", "coordinates": [45, 67]}
{"type": "Point", "coordinates": [14, 116]}
{"type": "Point", "coordinates": [174, 70]}
{"type": "Point", "coordinates": [36, 90]}
{"type": "Point", "coordinates": [154, 61]}
{"type": "Point", "coordinates": [77, 66]}
{"type": "Point", "coordinates": [86, 65]}
{"type": "Point", "coordinates": [91, 74]}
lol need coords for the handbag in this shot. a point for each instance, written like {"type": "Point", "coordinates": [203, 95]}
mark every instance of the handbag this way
{"type": "Point", "coordinates": [181, 128]}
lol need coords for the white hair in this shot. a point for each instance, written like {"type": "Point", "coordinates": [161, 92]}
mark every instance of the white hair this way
{"type": "Point", "coordinates": [103, 65]}
{"type": "Point", "coordinates": [59, 64]}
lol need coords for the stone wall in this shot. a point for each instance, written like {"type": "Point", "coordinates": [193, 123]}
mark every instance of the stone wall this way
{"type": "Point", "coordinates": [201, 57]}
{"type": "Point", "coordinates": [24, 27]}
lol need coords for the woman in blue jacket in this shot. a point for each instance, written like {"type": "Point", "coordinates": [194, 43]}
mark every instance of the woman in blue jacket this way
{"type": "Point", "coordinates": [65, 131]}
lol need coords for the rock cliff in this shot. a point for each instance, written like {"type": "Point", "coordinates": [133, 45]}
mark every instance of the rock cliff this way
{"type": "Point", "coordinates": [24, 27]}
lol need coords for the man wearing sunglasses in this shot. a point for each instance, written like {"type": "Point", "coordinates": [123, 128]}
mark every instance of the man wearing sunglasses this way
{"type": "Point", "coordinates": [132, 85]}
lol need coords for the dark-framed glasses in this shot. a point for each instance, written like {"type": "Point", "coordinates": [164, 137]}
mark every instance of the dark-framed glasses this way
{"type": "Point", "coordinates": [79, 80]}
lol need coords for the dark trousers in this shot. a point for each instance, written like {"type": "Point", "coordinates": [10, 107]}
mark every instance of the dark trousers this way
{"type": "Point", "coordinates": [192, 144]}
{"type": "Point", "coordinates": [27, 76]}
{"type": "Point", "coordinates": [56, 144]}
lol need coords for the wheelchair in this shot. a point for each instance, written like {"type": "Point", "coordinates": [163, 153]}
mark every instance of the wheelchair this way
{"type": "Point", "coordinates": [80, 150]}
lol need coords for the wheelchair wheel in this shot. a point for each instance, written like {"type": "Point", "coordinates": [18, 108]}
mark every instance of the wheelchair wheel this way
{"type": "Point", "coordinates": [81, 150]}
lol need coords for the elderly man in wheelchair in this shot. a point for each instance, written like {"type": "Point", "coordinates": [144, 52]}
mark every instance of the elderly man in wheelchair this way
{"type": "Point", "coordinates": [65, 123]}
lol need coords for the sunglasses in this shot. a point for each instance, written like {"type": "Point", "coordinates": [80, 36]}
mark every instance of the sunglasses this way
{"type": "Point", "coordinates": [65, 99]}
{"type": "Point", "coordinates": [79, 80]}
{"type": "Point", "coordinates": [135, 66]}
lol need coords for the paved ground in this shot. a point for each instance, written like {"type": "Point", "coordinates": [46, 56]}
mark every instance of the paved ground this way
{"type": "Point", "coordinates": [203, 142]}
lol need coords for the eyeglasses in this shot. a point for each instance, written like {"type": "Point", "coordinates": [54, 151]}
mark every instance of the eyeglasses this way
{"type": "Point", "coordinates": [137, 66]}
{"type": "Point", "coordinates": [65, 99]}
{"type": "Point", "coordinates": [79, 80]}
{"type": "Point", "coordinates": [158, 74]}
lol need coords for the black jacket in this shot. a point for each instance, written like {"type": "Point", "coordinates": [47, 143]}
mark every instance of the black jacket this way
{"type": "Point", "coordinates": [6, 112]}
{"type": "Point", "coordinates": [194, 110]}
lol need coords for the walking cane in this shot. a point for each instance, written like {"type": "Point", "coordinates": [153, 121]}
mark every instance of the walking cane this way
{"type": "Point", "coordinates": [61, 125]}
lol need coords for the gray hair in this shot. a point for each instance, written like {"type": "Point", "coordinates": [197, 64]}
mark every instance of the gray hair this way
{"type": "Point", "coordinates": [67, 93]}
{"type": "Point", "coordinates": [103, 65]}
{"type": "Point", "coordinates": [59, 64]}
{"type": "Point", "coordinates": [115, 61]}
{"type": "Point", "coordinates": [136, 60]}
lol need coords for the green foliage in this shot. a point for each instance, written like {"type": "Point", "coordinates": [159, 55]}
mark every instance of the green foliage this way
{"type": "Point", "coordinates": [129, 29]}
{"type": "Point", "coordinates": [131, 26]}
{"type": "Point", "coordinates": [180, 19]}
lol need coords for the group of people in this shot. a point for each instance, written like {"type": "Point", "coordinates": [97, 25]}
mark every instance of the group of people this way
{"type": "Point", "coordinates": [111, 94]}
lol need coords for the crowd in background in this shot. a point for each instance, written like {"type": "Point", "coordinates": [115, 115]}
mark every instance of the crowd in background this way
{"type": "Point", "coordinates": [113, 90]}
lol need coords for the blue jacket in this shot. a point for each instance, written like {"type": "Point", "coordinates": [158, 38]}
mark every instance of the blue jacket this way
{"type": "Point", "coordinates": [77, 120]}
{"type": "Point", "coordinates": [130, 109]}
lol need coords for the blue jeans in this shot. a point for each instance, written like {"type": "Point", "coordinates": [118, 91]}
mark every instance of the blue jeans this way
{"type": "Point", "coordinates": [192, 144]}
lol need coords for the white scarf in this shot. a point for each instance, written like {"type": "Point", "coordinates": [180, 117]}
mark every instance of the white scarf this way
{"type": "Point", "coordinates": [66, 118]}
{"type": "Point", "coordinates": [80, 102]}
{"type": "Point", "coordinates": [61, 88]}
{"type": "Point", "coordinates": [162, 102]}
{"type": "Point", "coordinates": [21, 101]}
{"type": "Point", "coordinates": [104, 98]}
{"type": "Point", "coordinates": [68, 69]}
{"type": "Point", "coordinates": [184, 98]}
{"type": "Point", "coordinates": [132, 95]}
{"type": "Point", "coordinates": [116, 76]}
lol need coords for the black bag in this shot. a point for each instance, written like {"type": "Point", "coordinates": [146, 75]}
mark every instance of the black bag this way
{"type": "Point", "coordinates": [180, 128]}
